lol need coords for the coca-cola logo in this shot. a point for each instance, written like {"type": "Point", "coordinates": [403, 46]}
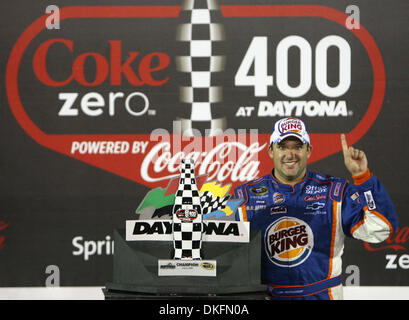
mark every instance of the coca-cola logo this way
{"type": "Point", "coordinates": [396, 241]}
{"type": "Point", "coordinates": [232, 161]}
{"type": "Point", "coordinates": [115, 79]}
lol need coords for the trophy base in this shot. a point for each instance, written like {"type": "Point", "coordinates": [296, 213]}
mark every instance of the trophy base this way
{"type": "Point", "coordinates": [135, 268]}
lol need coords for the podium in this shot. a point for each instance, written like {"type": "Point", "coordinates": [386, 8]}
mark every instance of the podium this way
{"type": "Point", "coordinates": [135, 271]}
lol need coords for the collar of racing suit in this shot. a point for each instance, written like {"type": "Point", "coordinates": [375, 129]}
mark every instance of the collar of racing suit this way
{"type": "Point", "coordinates": [288, 187]}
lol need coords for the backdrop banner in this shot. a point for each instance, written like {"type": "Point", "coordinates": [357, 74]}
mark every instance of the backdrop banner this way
{"type": "Point", "coordinates": [100, 100]}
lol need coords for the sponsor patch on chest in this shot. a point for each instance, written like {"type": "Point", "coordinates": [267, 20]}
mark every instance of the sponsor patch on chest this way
{"type": "Point", "coordinates": [288, 241]}
{"type": "Point", "coordinates": [315, 189]}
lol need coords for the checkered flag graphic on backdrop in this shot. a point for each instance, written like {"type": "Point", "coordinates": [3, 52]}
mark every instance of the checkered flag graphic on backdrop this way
{"type": "Point", "coordinates": [210, 203]}
{"type": "Point", "coordinates": [187, 215]}
{"type": "Point", "coordinates": [201, 61]}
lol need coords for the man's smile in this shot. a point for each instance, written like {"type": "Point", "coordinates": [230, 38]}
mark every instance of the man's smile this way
{"type": "Point", "coordinates": [290, 164]}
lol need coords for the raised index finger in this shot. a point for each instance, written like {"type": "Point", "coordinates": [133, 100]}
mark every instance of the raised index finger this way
{"type": "Point", "coordinates": [344, 143]}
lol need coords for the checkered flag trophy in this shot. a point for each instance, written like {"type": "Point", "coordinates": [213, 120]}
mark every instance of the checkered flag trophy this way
{"type": "Point", "coordinates": [187, 215]}
{"type": "Point", "coordinates": [200, 62]}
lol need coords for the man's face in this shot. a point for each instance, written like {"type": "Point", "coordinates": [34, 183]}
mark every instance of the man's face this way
{"type": "Point", "coordinates": [290, 159]}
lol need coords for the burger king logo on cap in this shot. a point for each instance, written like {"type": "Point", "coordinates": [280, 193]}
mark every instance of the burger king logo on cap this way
{"type": "Point", "coordinates": [289, 242]}
{"type": "Point", "coordinates": [291, 125]}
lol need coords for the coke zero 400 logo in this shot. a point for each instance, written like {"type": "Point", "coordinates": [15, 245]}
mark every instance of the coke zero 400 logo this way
{"type": "Point", "coordinates": [135, 105]}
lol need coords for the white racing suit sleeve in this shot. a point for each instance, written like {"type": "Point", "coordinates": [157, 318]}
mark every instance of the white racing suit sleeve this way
{"type": "Point", "coordinates": [368, 213]}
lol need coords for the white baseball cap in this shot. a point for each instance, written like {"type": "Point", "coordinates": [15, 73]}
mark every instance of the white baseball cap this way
{"type": "Point", "coordinates": [289, 127]}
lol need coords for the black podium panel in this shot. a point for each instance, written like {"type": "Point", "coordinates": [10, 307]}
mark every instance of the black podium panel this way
{"type": "Point", "coordinates": [135, 269]}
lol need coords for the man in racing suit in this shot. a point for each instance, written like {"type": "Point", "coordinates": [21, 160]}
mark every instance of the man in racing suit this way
{"type": "Point", "coordinates": [304, 216]}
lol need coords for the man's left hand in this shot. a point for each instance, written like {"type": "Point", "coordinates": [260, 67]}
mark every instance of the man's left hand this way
{"type": "Point", "coordinates": [355, 160]}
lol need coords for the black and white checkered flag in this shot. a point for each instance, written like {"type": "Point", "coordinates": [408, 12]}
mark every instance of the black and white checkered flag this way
{"type": "Point", "coordinates": [201, 61]}
{"type": "Point", "coordinates": [187, 215]}
{"type": "Point", "coordinates": [210, 203]}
